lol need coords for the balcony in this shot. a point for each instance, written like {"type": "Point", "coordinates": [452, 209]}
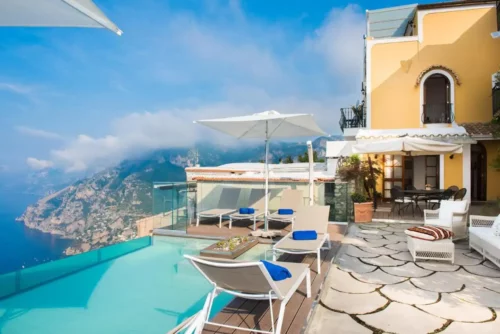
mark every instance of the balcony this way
{"type": "Point", "coordinates": [438, 113]}
{"type": "Point", "coordinates": [349, 118]}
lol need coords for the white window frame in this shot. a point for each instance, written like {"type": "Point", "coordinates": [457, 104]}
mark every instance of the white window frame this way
{"type": "Point", "coordinates": [422, 91]}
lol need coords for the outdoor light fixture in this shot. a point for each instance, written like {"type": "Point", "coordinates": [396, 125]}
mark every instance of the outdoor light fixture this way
{"type": "Point", "coordinates": [452, 156]}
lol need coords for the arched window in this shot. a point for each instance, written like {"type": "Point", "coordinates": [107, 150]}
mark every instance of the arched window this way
{"type": "Point", "coordinates": [437, 95]}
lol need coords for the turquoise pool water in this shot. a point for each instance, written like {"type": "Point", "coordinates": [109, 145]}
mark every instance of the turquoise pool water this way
{"type": "Point", "coordinates": [148, 291]}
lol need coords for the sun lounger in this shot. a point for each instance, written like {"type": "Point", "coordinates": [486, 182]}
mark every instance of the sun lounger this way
{"type": "Point", "coordinates": [307, 218]}
{"type": "Point", "coordinates": [290, 199]}
{"type": "Point", "coordinates": [226, 205]}
{"type": "Point", "coordinates": [249, 280]}
{"type": "Point", "coordinates": [257, 201]}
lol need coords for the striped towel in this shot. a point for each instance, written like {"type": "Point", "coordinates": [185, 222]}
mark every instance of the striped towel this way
{"type": "Point", "coordinates": [430, 233]}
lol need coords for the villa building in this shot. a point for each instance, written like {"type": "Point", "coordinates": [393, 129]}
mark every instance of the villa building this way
{"type": "Point", "coordinates": [430, 73]}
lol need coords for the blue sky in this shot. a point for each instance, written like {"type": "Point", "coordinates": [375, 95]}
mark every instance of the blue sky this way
{"type": "Point", "coordinates": [86, 98]}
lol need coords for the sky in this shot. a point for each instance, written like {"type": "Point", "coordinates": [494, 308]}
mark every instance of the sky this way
{"type": "Point", "coordinates": [79, 99]}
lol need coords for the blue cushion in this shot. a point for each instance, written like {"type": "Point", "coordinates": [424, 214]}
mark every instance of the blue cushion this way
{"type": "Point", "coordinates": [285, 211]}
{"type": "Point", "coordinates": [278, 273]}
{"type": "Point", "coordinates": [247, 211]}
{"type": "Point", "coordinates": [305, 235]}
{"type": "Point", "coordinates": [251, 211]}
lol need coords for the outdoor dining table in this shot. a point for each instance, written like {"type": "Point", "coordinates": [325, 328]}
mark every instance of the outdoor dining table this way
{"type": "Point", "coordinates": [419, 193]}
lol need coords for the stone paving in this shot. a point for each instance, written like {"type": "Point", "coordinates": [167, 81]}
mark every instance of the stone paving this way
{"type": "Point", "coordinates": [375, 287]}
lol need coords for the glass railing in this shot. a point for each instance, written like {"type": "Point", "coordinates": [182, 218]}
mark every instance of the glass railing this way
{"type": "Point", "coordinates": [174, 205]}
{"type": "Point", "coordinates": [337, 196]}
{"type": "Point", "coordinates": [25, 279]}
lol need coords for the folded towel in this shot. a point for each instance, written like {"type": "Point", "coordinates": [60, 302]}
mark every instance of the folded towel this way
{"type": "Point", "coordinates": [285, 211]}
{"type": "Point", "coordinates": [305, 235]}
{"type": "Point", "coordinates": [278, 273]}
{"type": "Point", "coordinates": [247, 211]}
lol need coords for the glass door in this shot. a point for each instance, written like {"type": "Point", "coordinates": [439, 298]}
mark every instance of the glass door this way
{"type": "Point", "coordinates": [393, 173]}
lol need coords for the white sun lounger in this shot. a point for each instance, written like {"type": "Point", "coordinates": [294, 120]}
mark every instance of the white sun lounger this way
{"type": "Point", "coordinates": [249, 280]}
{"type": "Point", "coordinates": [290, 199]}
{"type": "Point", "coordinates": [214, 213]}
{"type": "Point", "coordinates": [307, 218]}
{"type": "Point", "coordinates": [258, 204]}
{"type": "Point", "coordinates": [226, 205]}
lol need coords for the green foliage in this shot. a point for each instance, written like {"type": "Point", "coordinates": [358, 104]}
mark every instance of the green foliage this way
{"type": "Point", "coordinates": [305, 157]}
{"type": "Point", "coordinates": [359, 198]}
{"type": "Point", "coordinates": [353, 169]}
{"type": "Point", "coordinates": [357, 109]}
{"type": "Point", "coordinates": [287, 160]}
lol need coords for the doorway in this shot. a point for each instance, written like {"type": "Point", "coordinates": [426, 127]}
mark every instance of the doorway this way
{"type": "Point", "coordinates": [478, 169]}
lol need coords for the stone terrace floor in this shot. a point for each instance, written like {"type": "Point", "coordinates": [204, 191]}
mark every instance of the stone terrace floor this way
{"type": "Point", "coordinates": [375, 287]}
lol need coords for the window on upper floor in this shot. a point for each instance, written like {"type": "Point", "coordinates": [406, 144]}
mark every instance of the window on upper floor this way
{"type": "Point", "coordinates": [437, 107]}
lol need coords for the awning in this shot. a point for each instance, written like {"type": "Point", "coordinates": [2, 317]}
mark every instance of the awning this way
{"type": "Point", "coordinates": [54, 13]}
{"type": "Point", "coordinates": [453, 134]}
{"type": "Point", "coordinates": [338, 149]}
{"type": "Point", "coordinates": [406, 146]}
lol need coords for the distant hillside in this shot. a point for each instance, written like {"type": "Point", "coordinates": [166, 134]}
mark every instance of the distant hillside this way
{"type": "Point", "coordinates": [102, 209]}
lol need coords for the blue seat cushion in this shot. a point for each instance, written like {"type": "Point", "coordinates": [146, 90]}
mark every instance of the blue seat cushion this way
{"type": "Point", "coordinates": [285, 211]}
{"type": "Point", "coordinates": [247, 211]}
{"type": "Point", "coordinates": [305, 235]}
{"type": "Point", "coordinates": [277, 273]}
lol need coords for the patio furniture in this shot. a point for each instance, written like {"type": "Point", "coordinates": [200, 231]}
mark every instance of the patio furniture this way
{"type": "Point", "coordinates": [290, 199]}
{"type": "Point", "coordinates": [452, 215]}
{"type": "Point", "coordinates": [307, 218]}
{"type": "Point", "coordinates": [483, 239]}
{"type": "Point", "coordinates": [257, 199]}
{"type": "Point", "coordinates": [459, 195]}
{"type": "Point", "coordinates": [249, 280]}
{"type": "Point", "coordinates": [443, 250]}
{"type": "Point", "coordinates": [435, 200]}
{"type": "Point", "coordinates": [226, 205]}
{"type": "Point", "coordinates": [400, 201]}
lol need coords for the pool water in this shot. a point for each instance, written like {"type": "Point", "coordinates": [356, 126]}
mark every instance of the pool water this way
{"type": "Point", "coordinates": [147, 291]}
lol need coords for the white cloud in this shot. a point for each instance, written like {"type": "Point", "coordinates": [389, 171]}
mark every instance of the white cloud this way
{"type": "Point", "coordinates": [25, 130]}
{"type": "Point", "coordinates": [16, 88]}
{"type": "Point", "coordinates": [249, 66]}
{"type": "Point", "coordinates": [340, 41]}
{"type": "Point", "coordinates": [38, 164]}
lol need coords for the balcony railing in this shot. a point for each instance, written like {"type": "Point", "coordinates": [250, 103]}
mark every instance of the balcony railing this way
{"type": "Point", "coordinates": [496, 99]}
{"type": "Point", "coordinates": [349, 119]}
{"type": "Point", "coordinates": [438, 113]}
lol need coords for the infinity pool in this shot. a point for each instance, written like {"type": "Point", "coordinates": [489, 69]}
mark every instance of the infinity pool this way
{"type": "Point", "coordinates": [148, 291]}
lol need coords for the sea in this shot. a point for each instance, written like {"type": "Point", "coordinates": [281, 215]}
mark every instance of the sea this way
{"type": "Point", "coordinates": [20, 246]}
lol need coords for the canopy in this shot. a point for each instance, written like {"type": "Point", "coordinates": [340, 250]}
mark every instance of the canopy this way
{"type": "Point", "coordinates": [407, 146]}
{"type": "Point", "coordinates": [54, 13]}
{"type": "Point", "coordinates": [266, 125]}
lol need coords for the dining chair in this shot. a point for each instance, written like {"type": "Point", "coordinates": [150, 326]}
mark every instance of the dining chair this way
{"type": "Point", "coordinates": [436, 200]}
{"type": "Point", "coordinates": [459, 195]}
{"type": "Point", "coordinates": [399, 201]}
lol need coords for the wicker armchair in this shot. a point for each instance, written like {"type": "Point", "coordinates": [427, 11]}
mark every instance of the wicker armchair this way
{"type": "Point", "coordinates": [459, 222]}
{"type": "Point", "coordinates": [481, 238]}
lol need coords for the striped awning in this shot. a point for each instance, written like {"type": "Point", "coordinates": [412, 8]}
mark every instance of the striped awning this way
{"type": "Point", "coordinates": [453, 134]}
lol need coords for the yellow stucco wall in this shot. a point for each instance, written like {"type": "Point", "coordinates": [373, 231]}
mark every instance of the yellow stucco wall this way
{"type": "Point", "coordinates": [453, 171]}
{"type": "Point", "coordinates": [459, 40]}
{"type": "Point", "coordinates": [493, 175]}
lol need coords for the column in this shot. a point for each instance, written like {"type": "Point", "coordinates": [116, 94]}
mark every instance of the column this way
{"type": "Point", "coordinates": [441, 171]}
{"type": "Point", "coordinates": [466, 170]}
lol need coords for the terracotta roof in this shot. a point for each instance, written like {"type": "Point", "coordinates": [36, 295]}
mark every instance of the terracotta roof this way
{"type": "Point", "coordinates": [479, 129]}
{"type": "Point", "coordinates": [260, 179]}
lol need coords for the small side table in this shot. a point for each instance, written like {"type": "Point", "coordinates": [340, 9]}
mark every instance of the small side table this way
{"type": "Point", "coordinates": [442, 250]}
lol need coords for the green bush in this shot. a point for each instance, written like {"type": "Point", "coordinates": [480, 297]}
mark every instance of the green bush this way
{"type": "Point", "coordinates": [359, 198]}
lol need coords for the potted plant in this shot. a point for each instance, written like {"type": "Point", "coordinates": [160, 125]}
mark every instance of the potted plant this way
{"type": "Point", "coordinates": [363, 208]}
{"type": "Point", "coordinates": [364, 175]}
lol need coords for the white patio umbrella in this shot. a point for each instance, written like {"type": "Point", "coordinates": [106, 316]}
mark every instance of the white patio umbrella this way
{"type": "Point", "coordinates": [266, 125]}
{"type": "Point", "coordinates": [54, 13]}
{"type": "Point", "coordinates": [406, 146]}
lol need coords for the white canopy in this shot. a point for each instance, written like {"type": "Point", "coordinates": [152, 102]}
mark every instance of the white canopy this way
{"type": "Point", "coordinates": [54, 13]}
{"type": "Point", "coordinates": [455, 134]}
{"type": "Point", "coordinates": [266, 125]}
{"type": "Point", "coordinates": [407, 145]}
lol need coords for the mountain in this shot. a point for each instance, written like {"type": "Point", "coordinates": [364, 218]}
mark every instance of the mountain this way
{"type": "Point", "coordinates": [102, 209]}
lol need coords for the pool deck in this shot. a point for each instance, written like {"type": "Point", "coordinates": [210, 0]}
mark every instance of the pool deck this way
{"type": "Point", "coordinates": [254, 314]}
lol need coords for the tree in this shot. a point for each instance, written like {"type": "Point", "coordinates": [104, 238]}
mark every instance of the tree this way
{"type": "Point", "coordinates": [305, 157]}
{"type": "Point", "coordinates": [287, 160]}
{"type": "Point", "coordinates": [364, 176]}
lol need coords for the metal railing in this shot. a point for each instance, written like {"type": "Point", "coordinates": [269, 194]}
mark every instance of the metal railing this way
{"type": "Point", "coordinates": [495, 94]}
{"type": "Point", "coordinates": [350, 119]}
{"type": "Point", "coordinates": [438, 113]}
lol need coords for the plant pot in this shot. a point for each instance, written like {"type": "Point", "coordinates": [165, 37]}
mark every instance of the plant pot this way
{"type": "Point", "coordinates": [363, 212]}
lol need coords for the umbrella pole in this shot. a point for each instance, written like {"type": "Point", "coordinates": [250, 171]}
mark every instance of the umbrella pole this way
{"type": "Point", "coordinates": [266, 207]}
